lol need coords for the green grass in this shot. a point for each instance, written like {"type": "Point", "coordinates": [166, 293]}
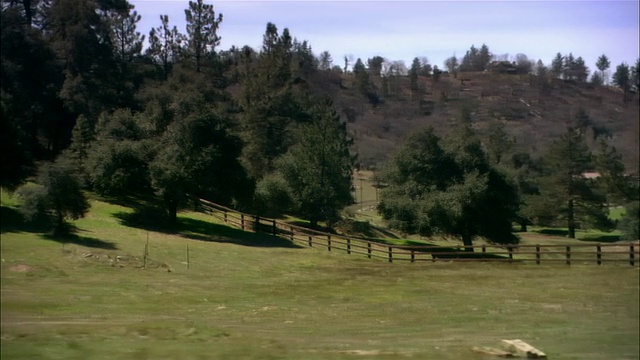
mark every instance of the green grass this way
{"type": "Point", "coordinates": [247, 296]}
{"type": "Point", "coordinates": [616, 213]}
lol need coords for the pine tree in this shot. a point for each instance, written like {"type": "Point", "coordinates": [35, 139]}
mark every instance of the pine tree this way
{"type": "Point", "coordinates": [325, 61]}
{"type": "Point", "coordinates": [318, 167]}
{"type": "Point", "coordinates": [557, 65]}
{"type": "Point", "coordinates": [580, 201]}
{"type": "Point", "coordinates": [202, 31]}
{"type": "Point", "coordinates": [414, 73]}
{"type": "Point", "coordinates": [635, 75]}
{"type": "Point", "coordinates": [165, 44]}
{"type": "Point", "coordinates": [127, 41]}
{"type": "Point", "coordinates": [603, 64]}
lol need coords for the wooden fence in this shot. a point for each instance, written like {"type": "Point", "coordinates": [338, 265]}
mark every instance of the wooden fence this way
{"type": "Point", "coordinates": [373, 249]}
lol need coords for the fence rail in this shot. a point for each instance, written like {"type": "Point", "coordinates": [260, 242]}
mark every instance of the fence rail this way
{"type": "Point", "coordinates": [374, 249]}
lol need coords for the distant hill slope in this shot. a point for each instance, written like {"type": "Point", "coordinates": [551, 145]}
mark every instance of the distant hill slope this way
{"type": "Point", "coordinates": [535, 112]}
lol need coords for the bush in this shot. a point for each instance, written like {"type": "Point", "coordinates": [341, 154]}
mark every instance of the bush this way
{"type": "Point", "coordinates": [630, 223]}
{"type": "Point", "coordinates": [56, 198]}
{"type": "Point", "coordinates": [273, 196]}
{"type": "Point", "coordinates": [33, 198]}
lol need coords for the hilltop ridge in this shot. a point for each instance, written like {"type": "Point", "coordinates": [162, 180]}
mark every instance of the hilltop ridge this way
{"type": "Point", "coordinates": [534, 111]}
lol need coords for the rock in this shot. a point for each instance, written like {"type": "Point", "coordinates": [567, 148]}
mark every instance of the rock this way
{"type": "Point", "coordinates": [493, 352]}
{"type": "Point", "coordinates": [523, 349]}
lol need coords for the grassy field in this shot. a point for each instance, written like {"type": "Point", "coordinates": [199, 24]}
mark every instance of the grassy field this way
{"type": "Point", "coordinates": [248, 296]}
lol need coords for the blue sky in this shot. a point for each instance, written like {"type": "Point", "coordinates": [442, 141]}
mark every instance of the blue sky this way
{"type": "Point", "coordinates": [402, 30]}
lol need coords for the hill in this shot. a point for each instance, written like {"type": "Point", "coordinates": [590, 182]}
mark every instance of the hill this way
{"type": "Point", "coordinates": [534, 111]}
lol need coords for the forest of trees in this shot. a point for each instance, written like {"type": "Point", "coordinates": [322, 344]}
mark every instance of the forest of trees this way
{"type": "Point", "coordinates": [85, 105]}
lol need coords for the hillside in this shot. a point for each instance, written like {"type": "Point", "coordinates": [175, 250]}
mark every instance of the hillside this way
{"type": "Point", "coordinates": [534, 111]}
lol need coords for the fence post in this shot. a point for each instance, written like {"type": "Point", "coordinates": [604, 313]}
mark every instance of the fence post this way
{"type": "Point", "coordinates": [369, 250]}
{"type": "Point", "coordinates": [390, 254]}
{"type": "Point", "coordinates": [225, 215]}
{"type": "Point", "coordinates": [413, 255]}
{"type": "Point", "coordinates": [257, 226]}
{"type": "Point", "coordinates": [538, 254]}
{"type": "Point", "coordinates": [348, 246]}
{"type": "Point", "coordinates": [328, 242]}
{"type": "Point", "coordinates": [631, 255]}
{"type": "Point", "coordinates": [310, 241]}
{"type": "Point", "coordinates": [510, 248]}
{"type": "Point", "coordinates": [568, 255]}
{"type": "Point", "coordinates": [484, 249]}
{"type": "Point", "coordinates": [599, 254]}
{"type": "Point", "coordinates": [274, 228]}
{"type": "Point", "coordinates": [242, 221]}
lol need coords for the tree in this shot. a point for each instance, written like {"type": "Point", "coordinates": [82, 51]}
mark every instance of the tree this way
{"type": "Point", "coordinates": [557, 65]}
{"type": "Point", "coordinates": [603, 64]}
{"type": "Point", "coordinates": [580, 71]}
{"type": "Point", "coordinates": [483, 59]}
{"type": "Point", "coordinates": [375, 65]}
{"type": "Point", "coordinates": [596, 79]}
{"type": "Point", "coordinates": [541, 70]}
{"type": "Point", "coordinates": [620, 188]}
{"type": "Point", "coordinates": [56, 196]}
{"type": "Point", "coordinates": [325, 60]}
{"type": "Point", "coordinates": [630, 223]}
{"type": "Point", "coordinates": [364, 83]}
{"type": "Point", "coordinates": [622, 76]}
{"type": "Point", "coordinates": [451, 64]}
{"type": "Point", "coordinates": [567, 67]}
{"type": "Point", "coordinates": [198, 157]}
{"type": "Point", "coordinates": [165, 45]}
{"type": "Point", "coordinates": [318, 167]}
{"type": "Point", "coordinates": [523, 64]}
{"type": "Point", "coordinates": [469, 59]}
{"type": "Point", "coordinates": [414, 73]}
{"type": "Point", "coordinates": [579, 201]}
{"type": "Point", "coordinates": [622, 79]}
{"type": "Point", "coordinates": [80, 35]}
{"type": "Point", "coordinates": [270, 108]}
{"type": "Point", "coordinates": [635, 75]}
{"type": "Point", "coordinates": [451, 191]}
{"type": "Point", "coordinates": [304, 63]}
{"type": "Point", "coordinates": [499, 143]}
{"type": "Point", "coordinates": [425, 67]}
{"type": "Point", "coordinates": [202, 31]}
{"type": "Point", "coordinates": [117, 163]}
{"type": "Point", "coordinates": [127, 41]}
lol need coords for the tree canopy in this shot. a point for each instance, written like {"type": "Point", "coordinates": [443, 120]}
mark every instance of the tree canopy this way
{"type": "Point", "coordinates": [451, 191]}
{"type": "Point", "coordinates": [318, 168]}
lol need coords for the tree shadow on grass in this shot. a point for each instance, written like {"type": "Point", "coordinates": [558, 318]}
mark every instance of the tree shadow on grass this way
{"type": "Point", "coordinates": [76, 239]}
{"type": "Point", "coordinates": [603, 238]}
{"type": "Point", "coordinates": [588, 237]}
{"type": "Point", "coordinates": [206, 231]}
{"type": "Point", "coordinates": [12, 221]}
{"type": "Point", "coordinates": [555, 232]}
{"type": "Point", "coordinates": [154, 219]}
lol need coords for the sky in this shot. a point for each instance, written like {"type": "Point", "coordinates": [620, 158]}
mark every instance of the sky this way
{"type": "Point", "coordinates": [403, 30]}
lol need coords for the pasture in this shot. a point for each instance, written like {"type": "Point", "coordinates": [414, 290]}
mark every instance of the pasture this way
{"type": "Point", "coordinates": [251, 296]}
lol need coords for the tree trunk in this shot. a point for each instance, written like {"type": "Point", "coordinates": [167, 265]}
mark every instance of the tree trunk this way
{"type": "Point", "coordinates": [172, 209]}
{"type": "Point", "coordinates": [468, 243]}
{"type": "Point", "coordinates": [523, 226]}
{"type": "Point", "coordinates": [571, 221]}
